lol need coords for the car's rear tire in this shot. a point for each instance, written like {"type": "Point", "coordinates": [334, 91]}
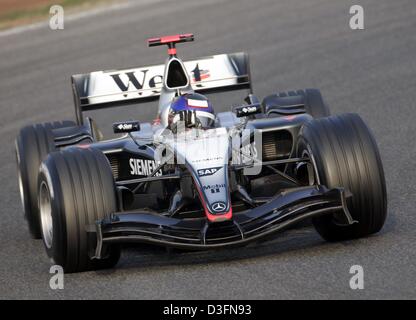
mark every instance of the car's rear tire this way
{"type": "Point", "coordinates": [345, 154]}
{"type": "Point", "coordinates": [76, 188]}
{"type": "Point", "coordinates": [32, 145]}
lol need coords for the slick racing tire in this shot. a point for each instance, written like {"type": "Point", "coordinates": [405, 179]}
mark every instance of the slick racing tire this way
{"type": "Point", "coordinates": [344, 154]}
{"type": "Point", "coordinates": [312, 99]}
{"type": "Point", "coordinates": [32, 145]}
{"type": "Point", "coordinates": [76, 188]}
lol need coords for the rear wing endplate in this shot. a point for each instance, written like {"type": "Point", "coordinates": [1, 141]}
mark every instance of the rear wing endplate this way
{"type": "Point", "coordinates": [101, 89]}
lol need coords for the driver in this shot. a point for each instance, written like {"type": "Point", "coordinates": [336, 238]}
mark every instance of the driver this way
{"type": "Point", "coordinates": [193, 109]}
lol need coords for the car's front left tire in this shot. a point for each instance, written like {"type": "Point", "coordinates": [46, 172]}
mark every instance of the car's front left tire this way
{"type": "Point", "coordinates": [345, 155]}
{"type": "Point", "coordinates": [76, 189]}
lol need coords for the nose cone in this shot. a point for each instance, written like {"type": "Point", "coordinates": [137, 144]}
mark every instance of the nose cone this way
{"type": "Point", "coordinates": [206, 157]}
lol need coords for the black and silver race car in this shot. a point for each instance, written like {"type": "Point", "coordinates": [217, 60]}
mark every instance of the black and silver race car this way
{"type": "Point", "coordinates": [187, 183]}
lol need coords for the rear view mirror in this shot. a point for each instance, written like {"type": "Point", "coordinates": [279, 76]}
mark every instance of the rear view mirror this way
{"type": "Point", "coordinates": [126, 126]}
{"type": "Point", "coordinates": [248, 110]}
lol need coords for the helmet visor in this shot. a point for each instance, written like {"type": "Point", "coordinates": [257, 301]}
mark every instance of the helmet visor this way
{"type": "Point", "coordinates": [201, 119]}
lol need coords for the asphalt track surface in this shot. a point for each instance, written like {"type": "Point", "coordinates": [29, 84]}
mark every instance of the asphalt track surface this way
{"type": "Point", "coordinates": [293, 44]}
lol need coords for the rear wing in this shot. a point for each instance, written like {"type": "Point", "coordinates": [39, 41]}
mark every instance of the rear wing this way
{"type": "Point", "coordinates": [101, 89]}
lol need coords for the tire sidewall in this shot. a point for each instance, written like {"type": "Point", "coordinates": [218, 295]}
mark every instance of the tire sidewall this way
{"type": "Point", "coordinates": [22, 175]}
{"type": "Point", "coordinates": [26, 193]}
{"type": "Point", "coordinates": [57, 251]}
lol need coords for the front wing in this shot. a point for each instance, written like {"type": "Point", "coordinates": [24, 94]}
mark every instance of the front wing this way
{"type": "Point", "coordinates": [282, 211]}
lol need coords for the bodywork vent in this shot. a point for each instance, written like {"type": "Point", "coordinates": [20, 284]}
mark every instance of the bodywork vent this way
{"type": "Point", "coordinates": [276, 144]}
{"type": "Point", "coordinates": [115, 165]}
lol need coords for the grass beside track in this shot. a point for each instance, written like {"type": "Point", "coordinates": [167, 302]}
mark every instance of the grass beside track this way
{"type": "Point", "coordinates": [15, 13]}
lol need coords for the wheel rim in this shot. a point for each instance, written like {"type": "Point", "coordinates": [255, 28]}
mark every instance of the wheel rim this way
{"type": "Point", "coordinates": [307, 153]}
{"type": "Point", "coordinates": [45, 209]}
{"type": "Point", "coordinates": [336, 217]}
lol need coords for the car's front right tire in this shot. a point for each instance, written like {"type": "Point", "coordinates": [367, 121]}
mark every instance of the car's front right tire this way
{"type": "Point", "coordinates": [76, 188]}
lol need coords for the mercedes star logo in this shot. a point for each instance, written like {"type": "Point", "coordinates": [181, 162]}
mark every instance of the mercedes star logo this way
{"type": "Point", "coordinates": [218, 206]}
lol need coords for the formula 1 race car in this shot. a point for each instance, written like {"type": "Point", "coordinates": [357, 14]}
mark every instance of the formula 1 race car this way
{"type": "Point", "coordinates": [194, 179]}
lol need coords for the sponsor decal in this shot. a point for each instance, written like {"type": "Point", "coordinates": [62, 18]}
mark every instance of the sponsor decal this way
{"type": "Point", "coordinates": [124, 126]}
{"type": "Point", "coordinates": [207, 159]}
{"type": "Point", "coordinates": [214, 188]}
{"type": "Point", "coordinates": [208, 171]}
{"type": "Point", "coordinates": [199, 74]}
{"type": "Point", "coordinates": [244, 111]}
{"type": "Point", "coordinates": [198, 103]}
{"type": "Point", "coordinates": [249, 109]}
{"type": "Point", "coordinates": [143, 167]}
{"type": "Point", "coordinates": [218, 206]}
{"type": "Point", "coordinates": [127, 80]}
{"type": "Point", "coordinates": [136, 83]}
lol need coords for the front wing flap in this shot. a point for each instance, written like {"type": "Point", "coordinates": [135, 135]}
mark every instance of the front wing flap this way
{"type": "Point", "coordinates": [286, 209]}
